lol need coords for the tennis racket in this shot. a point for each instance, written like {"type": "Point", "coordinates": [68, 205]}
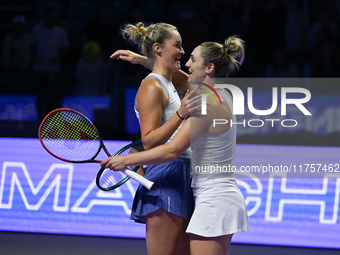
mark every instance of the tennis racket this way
{"type": "Point", "coordinates": [70, 136]}
{"type": "Point", "coordinates": [108, 180]}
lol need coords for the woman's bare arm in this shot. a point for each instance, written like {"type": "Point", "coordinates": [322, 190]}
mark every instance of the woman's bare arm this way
{"type": "Point", "coordinates": [163, 153]}
{"type": "Point", "coordinates": [179, 78]}
{"type": "Point", "coordinates": [150, 100]}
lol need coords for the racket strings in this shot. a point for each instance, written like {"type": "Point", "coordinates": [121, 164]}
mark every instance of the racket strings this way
{"type": "Point", "coordinates": [110, 178]}
{"type": "Point", "coordinates": [70, 136]}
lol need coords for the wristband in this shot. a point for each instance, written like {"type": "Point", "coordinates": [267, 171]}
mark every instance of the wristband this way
{"type": "Point", "coordinates": [179, 116]}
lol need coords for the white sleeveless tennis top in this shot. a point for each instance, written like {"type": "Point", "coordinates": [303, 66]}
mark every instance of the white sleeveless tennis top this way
{"type": "Point", "coordinates": [170, 109]}
{"type": "Point", "coordinates": [214, 154]}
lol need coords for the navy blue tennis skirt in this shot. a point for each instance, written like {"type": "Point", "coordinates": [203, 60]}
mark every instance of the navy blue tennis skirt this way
{"type": "Point", "coordinates": [171, 191]}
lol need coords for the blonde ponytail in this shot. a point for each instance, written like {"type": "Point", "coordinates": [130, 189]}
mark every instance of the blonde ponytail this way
{"type": "Point", "coordinates": [145, 37]}
{"type": "Point", "coordinates": [226, 57]}
{"type": "Point", "coordinates": [136, 33]}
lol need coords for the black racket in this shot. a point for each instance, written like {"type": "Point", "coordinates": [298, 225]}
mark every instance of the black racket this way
{"type": "Point", "coordinates": [70, 136]}
{"type": "Point", "coordinates": [109, 180]}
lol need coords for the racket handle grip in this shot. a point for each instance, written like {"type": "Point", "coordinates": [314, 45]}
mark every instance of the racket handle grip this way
{"type": "Point", "coordinates": [137, 177]}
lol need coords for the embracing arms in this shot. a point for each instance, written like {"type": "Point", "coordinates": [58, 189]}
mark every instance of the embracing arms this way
{"type": "Point", "coordinates": [179, 78]}
{"type": "Point", "coordinates": [163, 153]}
{"type": "Point", "coordinates": [185, 137]}
{"type": "Point", "coordinates": [151, 99]}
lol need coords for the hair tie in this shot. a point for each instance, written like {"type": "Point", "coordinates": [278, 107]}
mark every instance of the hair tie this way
{"type": "Point", "coordinates": [227, 49]}
{"type": "Point", "coordinates": [179, 116]}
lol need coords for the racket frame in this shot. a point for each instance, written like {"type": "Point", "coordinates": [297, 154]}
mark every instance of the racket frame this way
{"type": "Point", "coordinates": [101, 144]}
{"type": "Point", "coordinates": [92, 159]}
{"type": "Point", "coordinates": [123, 180]}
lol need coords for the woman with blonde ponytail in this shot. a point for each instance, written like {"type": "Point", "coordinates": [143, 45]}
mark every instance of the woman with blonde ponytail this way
{"type": "Point", "coordinates": [168, 206]}
{"type": "Point", "coordinates": [220, 209]}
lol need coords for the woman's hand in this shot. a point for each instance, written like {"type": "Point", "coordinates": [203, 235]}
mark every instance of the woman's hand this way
{"type": "Point", "coordinates": [114, 163]}
{"type": "Point", "coordinates": [131, 57]}
{"type": "Point", "coordinates": [189, 103]}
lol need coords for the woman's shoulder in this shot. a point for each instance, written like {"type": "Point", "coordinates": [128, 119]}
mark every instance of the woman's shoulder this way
{"type": "Point", "coordinates": [151, 83]}
{"type": "Point", "coordinates": [152, 89]}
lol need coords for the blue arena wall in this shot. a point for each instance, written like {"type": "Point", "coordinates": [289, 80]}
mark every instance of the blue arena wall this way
{"type": "Point", "coordinates": [38, 193]}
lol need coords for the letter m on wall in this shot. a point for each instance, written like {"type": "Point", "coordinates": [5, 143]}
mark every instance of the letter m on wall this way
{"type": "Point", "coordinates": [16, 182]}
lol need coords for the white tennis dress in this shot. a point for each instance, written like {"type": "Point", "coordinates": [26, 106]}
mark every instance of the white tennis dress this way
{"type": "Point", "coordinates": [219, 204]}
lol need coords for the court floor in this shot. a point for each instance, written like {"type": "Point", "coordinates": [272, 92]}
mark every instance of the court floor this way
{"type": "Point", "coordinates": [13, 243]}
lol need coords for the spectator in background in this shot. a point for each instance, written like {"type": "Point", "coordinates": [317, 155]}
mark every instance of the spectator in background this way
{"type": "Point", "coordinates": [193, 29]}
{"type": "Point", "coordinates": [89, 71]}
{"type": "Point", "coordinates": [280, 65]}
{"type": "Point", "coordinates": [102, 30]}
{"type": "Point", "coordinates": [327, 19]}
{"type": "Point", "coordinates": [326, 56]}
{"type": "Point", "coordinates": [323, 40]}
{"type": "Point", "coordinates": [130, 75]}
{"type": "Point", "coordinates": [296, 29]}
{"type": "Point", "coordinates": [265, 21]}
{"type": "Point", "coordinates": [16, 57]}
{"type": "Point", "coordinates": [49, 45]}
{"type": "Point", "coordinates": [16, 52]}
{"type": "Point", "coordinates": [224, 18]}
